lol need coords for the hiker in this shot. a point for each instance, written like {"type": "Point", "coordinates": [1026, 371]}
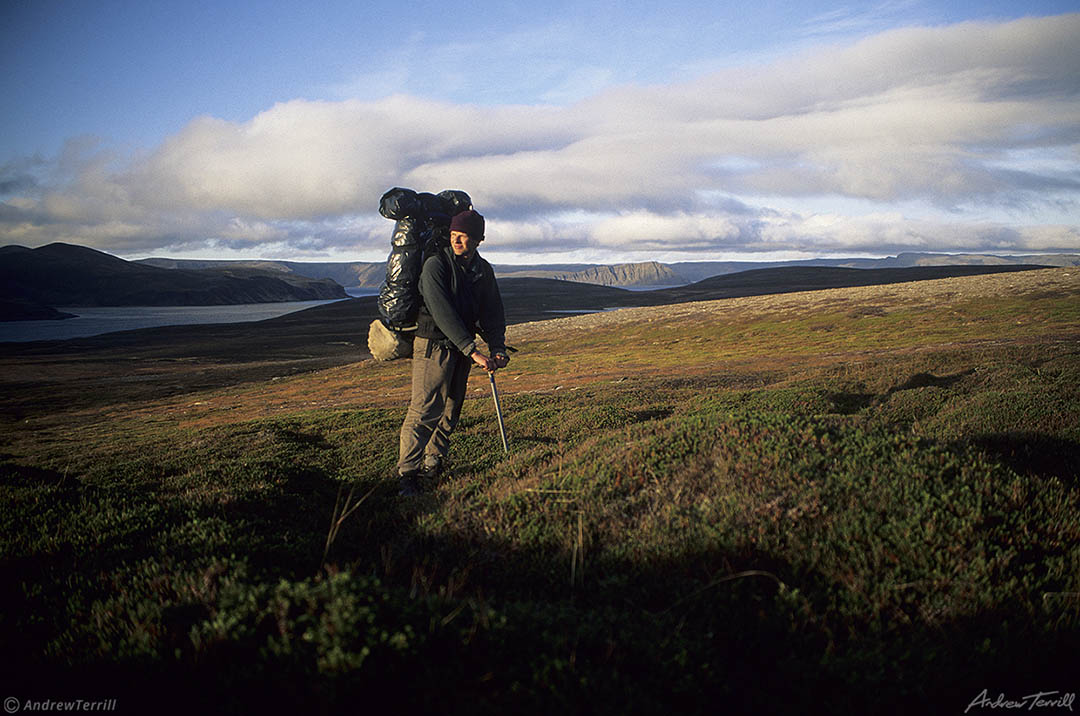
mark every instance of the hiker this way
{"type": "Point", "coordinates": [460, 298]}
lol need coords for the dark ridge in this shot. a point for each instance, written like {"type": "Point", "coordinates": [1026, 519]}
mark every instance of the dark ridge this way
{"type": "Point", "coordinates": [67, 275]}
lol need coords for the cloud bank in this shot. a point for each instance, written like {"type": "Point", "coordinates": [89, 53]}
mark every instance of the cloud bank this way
{"type": "Point", "coordinates": [956, 138]}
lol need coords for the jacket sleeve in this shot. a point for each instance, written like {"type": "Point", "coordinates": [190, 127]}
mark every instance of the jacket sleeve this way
{"type": "Point", "coordinates": [435, 288]}
{"type": "Point", "coordinates": [492, 315]}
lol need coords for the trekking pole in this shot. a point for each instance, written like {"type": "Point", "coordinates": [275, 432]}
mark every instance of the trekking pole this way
{"type": "Point", "coordinates": [498, 411]}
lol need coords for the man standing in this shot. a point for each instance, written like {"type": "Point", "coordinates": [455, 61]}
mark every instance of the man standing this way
{"type": "Point", "coordinates": [460, 298]}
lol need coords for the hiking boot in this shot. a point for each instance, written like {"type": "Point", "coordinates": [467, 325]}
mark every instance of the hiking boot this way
{"type": "Point", "coordinates": [408, 485]}
{"type": "Point", "coordinates": [432, 471]}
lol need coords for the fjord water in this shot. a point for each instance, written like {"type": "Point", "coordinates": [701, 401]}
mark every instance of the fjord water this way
{"type": "Point", "coordinates": [95, 320]}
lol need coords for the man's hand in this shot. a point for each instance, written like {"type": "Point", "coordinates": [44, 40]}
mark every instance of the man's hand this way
{"type": "Point", "coordinates": [501, 359]}
{"type": "Point", "coordinates": [483, 361]}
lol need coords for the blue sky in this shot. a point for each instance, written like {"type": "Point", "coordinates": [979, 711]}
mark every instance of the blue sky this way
{"type": "Point", "coordinates": [599, 131]}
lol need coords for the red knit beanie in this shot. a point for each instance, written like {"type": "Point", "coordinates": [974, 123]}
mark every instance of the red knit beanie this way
{"type": "Point", "coordinates": [468, 222]}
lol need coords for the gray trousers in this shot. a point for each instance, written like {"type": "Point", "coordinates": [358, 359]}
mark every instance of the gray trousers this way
{"type": "Point", "coordinates": [439, 378]}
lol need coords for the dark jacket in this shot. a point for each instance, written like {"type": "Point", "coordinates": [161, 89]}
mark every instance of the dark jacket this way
{"type": "Point", "coordinates": [459, 301]}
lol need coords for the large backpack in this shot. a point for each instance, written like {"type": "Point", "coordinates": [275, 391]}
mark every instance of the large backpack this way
{"type": "Point", "coordinates": [422, 227]}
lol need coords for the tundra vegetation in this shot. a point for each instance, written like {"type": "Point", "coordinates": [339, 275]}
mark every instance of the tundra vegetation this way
{"type": "Point", "coordinates": [866, 497]}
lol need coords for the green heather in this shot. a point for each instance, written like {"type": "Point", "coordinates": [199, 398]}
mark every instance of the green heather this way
{"type": "Point", "coordinates": [871, 505]}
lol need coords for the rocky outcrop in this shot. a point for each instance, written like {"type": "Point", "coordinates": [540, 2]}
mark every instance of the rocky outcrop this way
{"type": "Point", "coordinates": [648, 273]}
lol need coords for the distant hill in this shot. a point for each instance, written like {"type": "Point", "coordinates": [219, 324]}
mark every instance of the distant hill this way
{"type": "Point", "coordinates": [531, 299]}
{"type": "Point", "coordinates": [360, 274]}
{"type": "Point", "coordinates": [33, 280]}
{"type": "Point", "coordinates": [699, 270]}
{"type": "Point", "coordinates": [793, 279]}
{"type": "Point", "coordinates": [336, 332]}
{"type": "Point", "coordinates": [369, 275]}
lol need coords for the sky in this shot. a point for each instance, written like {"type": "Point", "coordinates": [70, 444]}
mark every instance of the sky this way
{"type": "Point", "coordinates": [583, 131]}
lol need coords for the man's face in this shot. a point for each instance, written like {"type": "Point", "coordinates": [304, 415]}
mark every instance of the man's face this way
{"type": "Point", "coordinates": [463, 244]}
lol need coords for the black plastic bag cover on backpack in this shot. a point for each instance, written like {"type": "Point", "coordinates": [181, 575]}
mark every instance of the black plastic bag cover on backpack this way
{"type": "Point", "coordinates": [433, 206]}
{"type": "Point", "coordinates": [400, 203]}
{"type": "Point", "coordinates": [457, 200]}
{"type": "Point", "coordinates": [439, 209]}
{"type": "Point", "coordinates": [422, 227]}
{"type": "Point", "coordinates": [399, 299]}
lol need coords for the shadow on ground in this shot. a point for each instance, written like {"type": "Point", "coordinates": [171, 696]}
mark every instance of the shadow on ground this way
{"type": "Point", "coordinates": [494, 625]}
{"type": "Point", "coordinates": [1034, 454]}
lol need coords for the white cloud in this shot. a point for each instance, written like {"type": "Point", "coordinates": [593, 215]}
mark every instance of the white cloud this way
{"type": "Point", "coordinates": [962, 118]}
{"type": "Point", "coordinates": [646, 229]}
